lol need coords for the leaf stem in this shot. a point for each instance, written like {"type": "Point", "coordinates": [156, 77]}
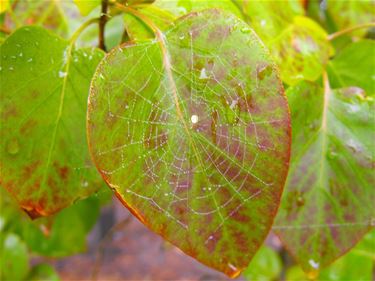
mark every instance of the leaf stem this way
{"type": "Point", "coordinates": [102, 21]}
{"type": "Point", "coordinates": [348, 30]}
{"type": "Point", "coordinates": [81, 29]}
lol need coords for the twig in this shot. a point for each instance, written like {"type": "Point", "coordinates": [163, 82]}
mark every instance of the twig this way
{"type": "Point", "coordinates": [102, 22]}
{"type": "Point", "coordinates": [348, 30]}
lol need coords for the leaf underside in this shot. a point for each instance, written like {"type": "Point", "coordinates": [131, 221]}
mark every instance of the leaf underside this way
{"type": "Point", "coordinates": [328, 202]}
{"type": "Point", "coordinates": [45, 162]}
{"type": "Point", "coordinates": [193, 135]}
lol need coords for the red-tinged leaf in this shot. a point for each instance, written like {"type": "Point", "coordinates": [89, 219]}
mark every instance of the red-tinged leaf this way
{"type": "Point", "coordinates": [192, 132]}
{"type": "Point", "coordinates": [45, 162]}
{"type": "Point", "coordinates": [328, 204]}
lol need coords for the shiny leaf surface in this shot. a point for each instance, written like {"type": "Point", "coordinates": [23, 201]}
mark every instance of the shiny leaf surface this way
{"type": "Point", "coordinates": [191, 131]}
{"type": "Point", "coordinates": [328, 203]}
{"type": "Point", "coordinates": [44, 87]}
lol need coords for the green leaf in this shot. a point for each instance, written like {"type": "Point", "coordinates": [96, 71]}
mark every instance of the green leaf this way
{"type": "Point", "coordinates": [44, 158]}
{"type": "Point", "coordinates": [183, 7]}
{"type": "Point", "coordinates": [137, 30]}
{"type": "Point", "coordinates": [192, 133]}
{"type": "Point", "coordinates": [327, 205]}
{"type": "Point", "coordinates": [265, 266]}
{"type": "Point", "coordinates": [86, 6]}
{"type": "Point", "coordinates": [355, 265]}
{"type": "Point", "coordinates": [270, 18]}
{"type": "Point", "coordinates": [301, 50]}
{"type": "Point", "coordinates": [55, 237]}
{"type": "Point", "coordinates": [298, 44]}
{"type": "Point", "coordinates": [43, 272]}
{"type": "Point", "coordinates": [346, 14]}
{"type": "Point", "coordinates": [354, 66]}
{"type": "Point", "coordinates": [14, 260]}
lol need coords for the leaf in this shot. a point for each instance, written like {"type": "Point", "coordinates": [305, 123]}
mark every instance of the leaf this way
{"type": "Point", "coordinates": [301, 50]}
{"type": "Point", "coordinates": [183, 7]}
{"type": "Point", "coordinates": [86, 6]}
{"type": "Point", "coordinates": [137, 30]}
{"type": "Point", "coordinates": [298, 44]}
{"type": "Point", "coordinates": [191, 131]}
{"type": "Point", "coordinates": [265, 266]}
{"type": "Point", "coordinates": [14, 260]}
{"type": "Point", "coordinates": [4, 6]}
{"type": "Point", "coordinates": [44, 158]}
{"type": "Point", "coordinates": [355, 265]}
{"type": "Point", "coordinates": [43, 272]}
{"type": "Point", "coordinates": [55, 237]}
{"type": "Point", "coordinates": [346, 14]}
{"type": "Point", "coordinates": [354, 66]}
{"type": "Point", "coordinates": [328, 202]}
{"type": "Point", "coordinates": [270, 18]}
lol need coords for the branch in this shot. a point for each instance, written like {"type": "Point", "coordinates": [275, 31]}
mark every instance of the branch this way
{"type": "Point", "coordinates": [102, 21]}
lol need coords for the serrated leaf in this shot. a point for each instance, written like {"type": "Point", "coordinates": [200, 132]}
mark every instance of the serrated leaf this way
{"type": "Point", "coordinates": [328, 202]}
{"type": "Point", "coordinates": [191, 131]}
{"type": "Point", "coordinates": [354, 66]}
{"type": "Point", "coordinates": [44, 86]}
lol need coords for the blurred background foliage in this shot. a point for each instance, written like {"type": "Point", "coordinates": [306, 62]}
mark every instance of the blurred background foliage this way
{"type": "Point", "coordinates": [29, 249]}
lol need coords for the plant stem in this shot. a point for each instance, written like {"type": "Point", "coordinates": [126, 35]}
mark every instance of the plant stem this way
{"type": "Point", "coordinates": [82, 28]}
{"type": "Point", "coordinates": [348, 30]}
{"type": "Point", "coordinates": [5, 30]}
{"type": "Point", "coordinates": [102, 22]}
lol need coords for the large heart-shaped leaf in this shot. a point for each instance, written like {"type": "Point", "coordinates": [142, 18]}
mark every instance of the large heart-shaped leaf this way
{"type": "Point", "coordinates": [329, 199]}
{"type": "Point", "coordinates": [192, 132]}
{"type": "Point", "coordinates": [44, 88]}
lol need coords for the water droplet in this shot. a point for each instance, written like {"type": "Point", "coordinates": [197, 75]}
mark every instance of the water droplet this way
{"type": "Point", "coordinates": [203, 74]}
{"type": "Point", "coordinates": [62, 74]}
{"type": "Point", "coordinates": [263, 22]}
{"type": "Point", "coordinates": [21, 54]}
{"type": "Point", "coordinates": [245, 29]}
{"type": "Point", "coordinates": [194, 119]}
{"type": "Point", "coordinates": [166, 194]}
{"type": "Point", "coordinates": [13, 57]}
{"type": "Point", "coordinates": [314, 264]}
{"type": "Point", "coordinates": [30, 60]}
{"type": "Point", "coordinates": [182, 36]}
{"type": "Point", "coordinates": [13, 146]}
{"type": "Point", "coordinates": [36, 43]}
{"type": "Point", "coordinates": [85, 184]}
{"type": "Point", "coordinates": [11, 68]}
{"type": "Point", "coordinates": [211, 237]}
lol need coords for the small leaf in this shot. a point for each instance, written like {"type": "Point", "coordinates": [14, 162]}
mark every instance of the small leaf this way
{"type": "Point", "coordinates": [44, 157]}
{"type": "Point", "coordinates": [354, 66]}
{"type": "Point", "coordinates": [191, 131]}
{"type": "Point", "coordinates": [328, 203]}
{"type": "Point", "coordinates": [301, 50]}
{"type": "Point", "coordinates": [14, 259]}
